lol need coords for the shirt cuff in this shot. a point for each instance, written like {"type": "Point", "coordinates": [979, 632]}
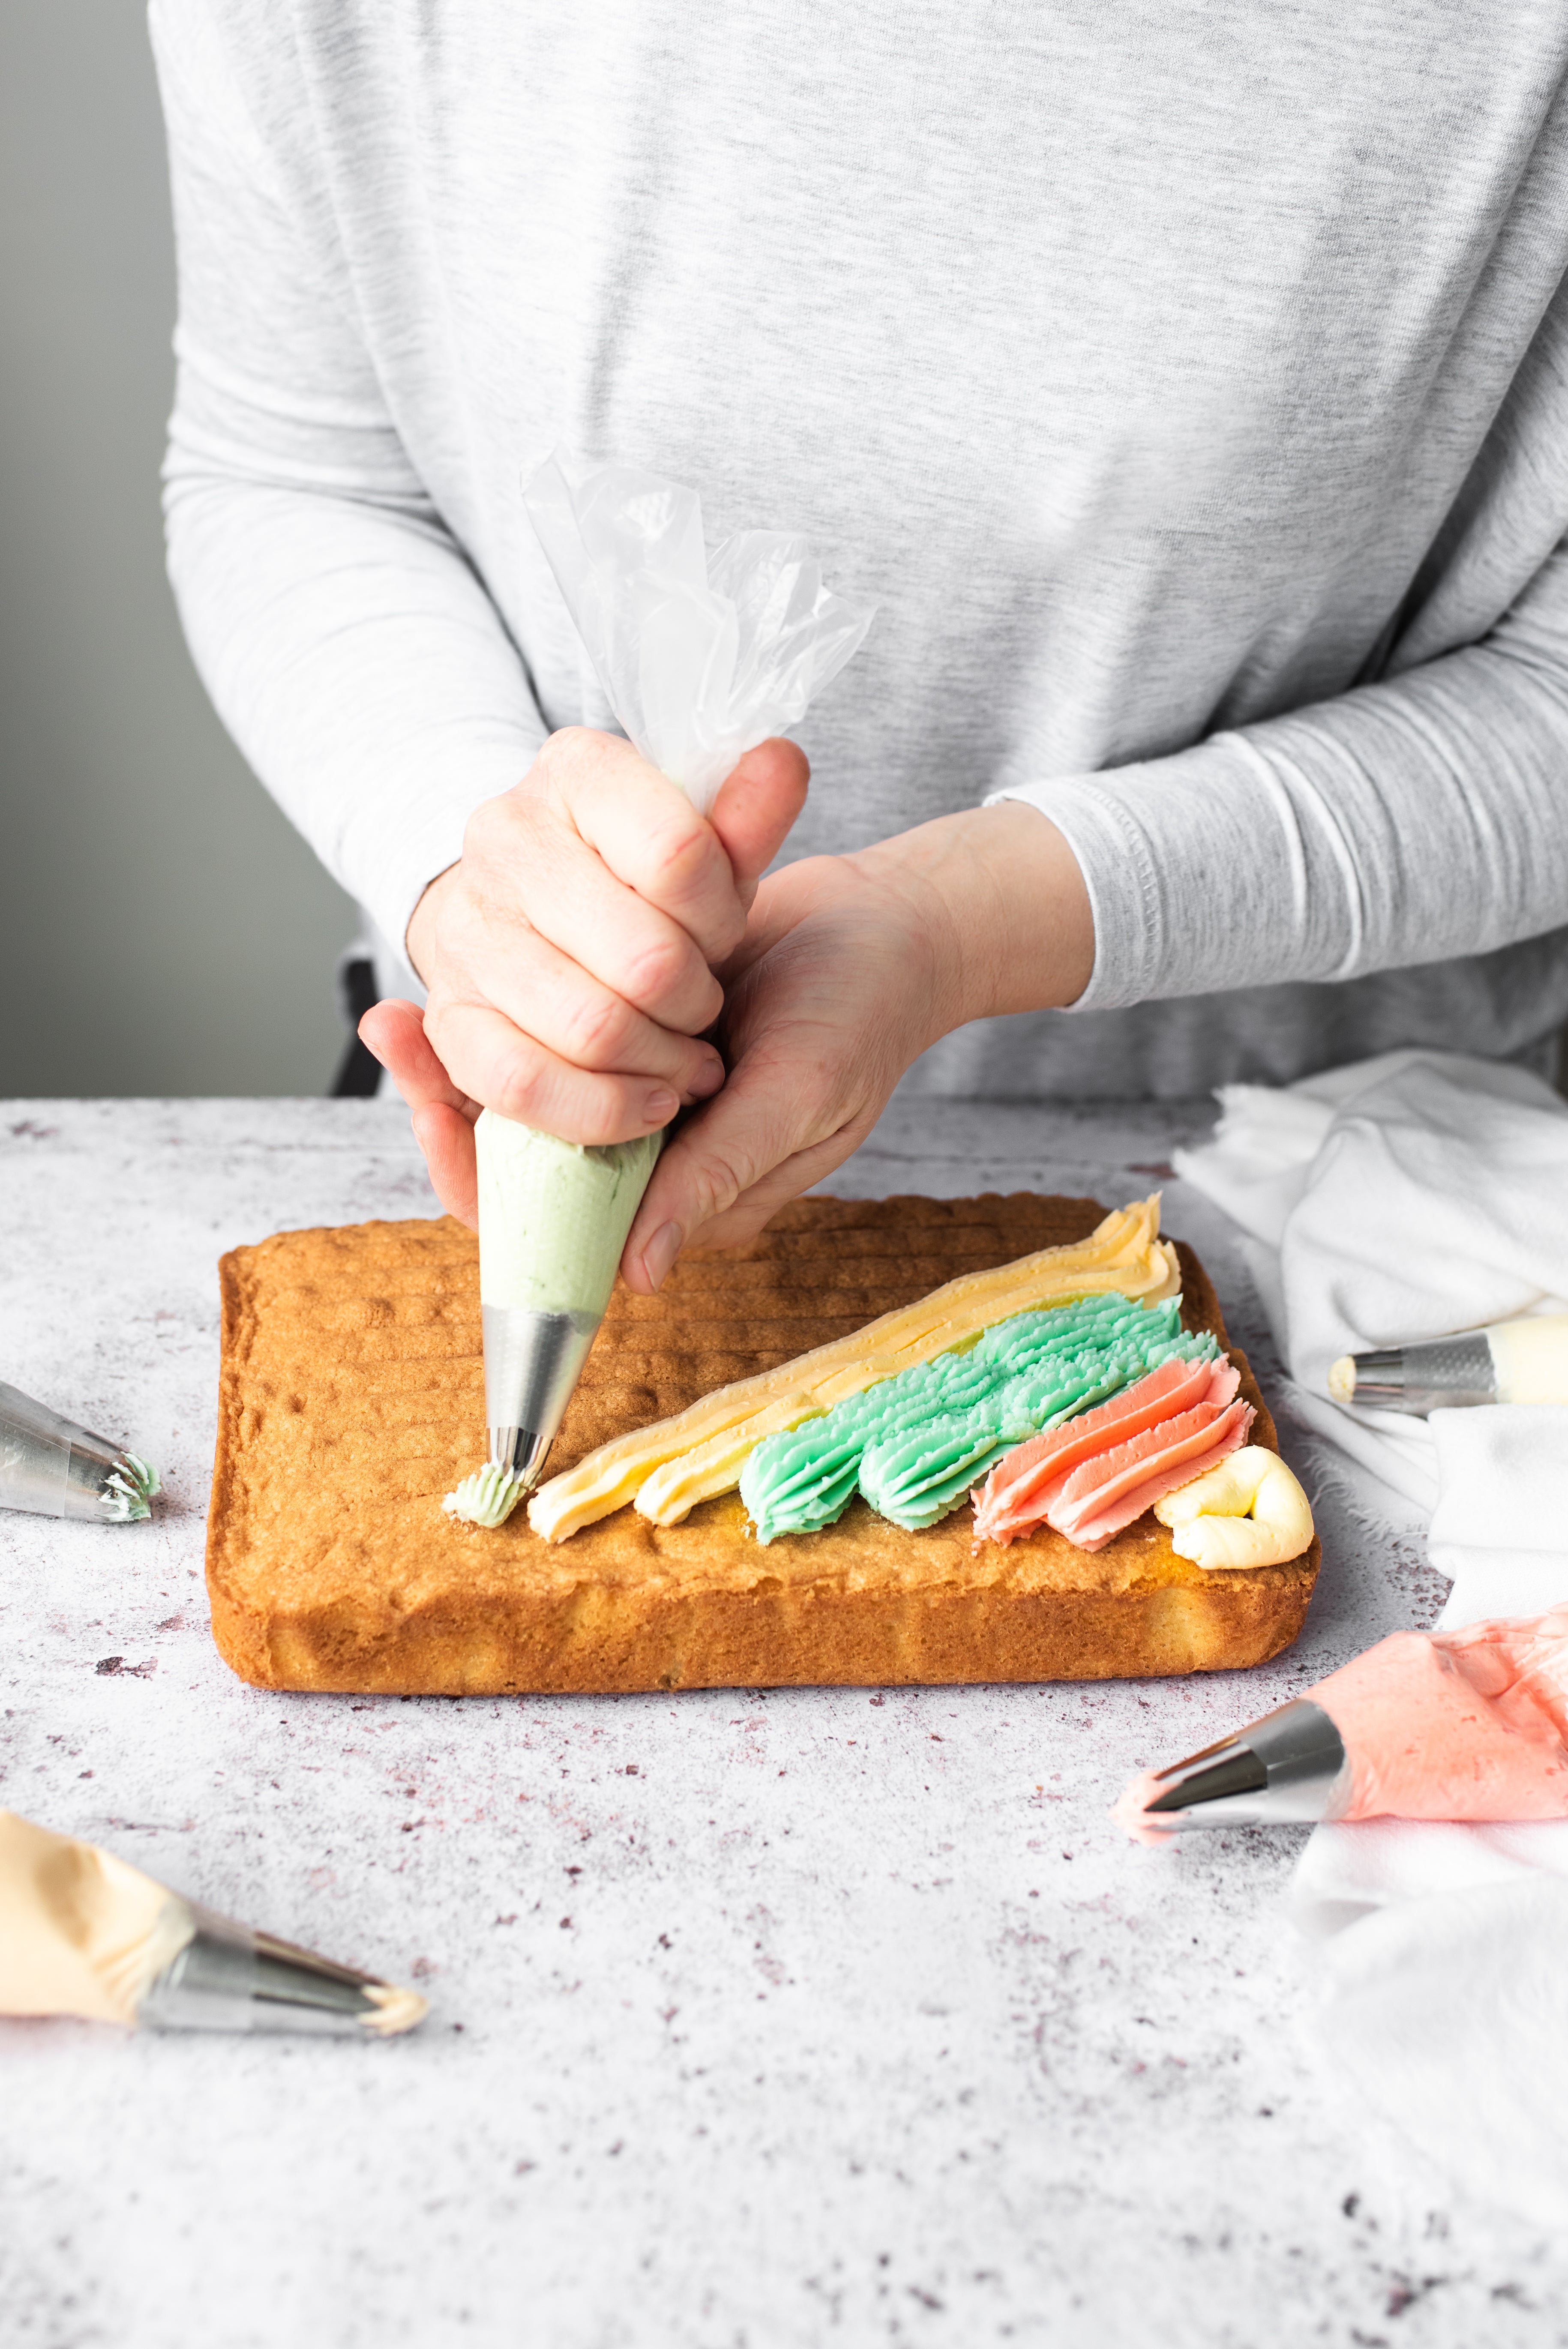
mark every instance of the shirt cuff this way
{"type": "Point", "coordinates": [402, 848]}
{"type": "Point", "coordinates": [1179, 858]}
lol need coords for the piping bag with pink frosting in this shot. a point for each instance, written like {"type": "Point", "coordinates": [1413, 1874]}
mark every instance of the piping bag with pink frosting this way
{"type": "Point", "coordinates": [1469, 1725]}
{"type": "Point", "coordinates": [83, 1932]}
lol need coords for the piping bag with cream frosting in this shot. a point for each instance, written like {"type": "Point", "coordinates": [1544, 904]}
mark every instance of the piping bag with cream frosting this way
{"type": "Point", "coordinates": [1469, 1725]}
{"type": "Point", "coordinates": [701, 657]}
{"type": "Point", "coordinates": [84, 1933]}
{"type": "Point", "coordinates": [1513, 1361]}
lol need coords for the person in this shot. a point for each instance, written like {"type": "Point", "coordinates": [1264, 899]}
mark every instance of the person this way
{"type": "Point", "coordinates": [1188, 388]}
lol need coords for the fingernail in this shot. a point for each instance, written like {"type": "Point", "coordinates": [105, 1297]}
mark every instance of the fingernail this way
{"type": "Point", "coordinates": [709, 1079]}
{"type": "Point", "coordinates": [661, 1252]}
{"type": "Point", "coordinates": [660, 1105]}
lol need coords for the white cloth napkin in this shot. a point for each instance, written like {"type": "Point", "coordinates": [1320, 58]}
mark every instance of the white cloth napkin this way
{"type": "Point", "coordinates": [1402, 1198]}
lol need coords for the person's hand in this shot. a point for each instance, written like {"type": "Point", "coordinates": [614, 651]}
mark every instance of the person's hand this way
{"type": "Point", "coordinates": [568, 954]}
{"type": "Point", "coordinates": [850, 967]}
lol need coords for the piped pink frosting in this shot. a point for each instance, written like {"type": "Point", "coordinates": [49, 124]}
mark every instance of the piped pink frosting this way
{"type": "Point", "coordinates": [1130, 1810]}
{"type": "Point", "coordinates": [1099, 1473]}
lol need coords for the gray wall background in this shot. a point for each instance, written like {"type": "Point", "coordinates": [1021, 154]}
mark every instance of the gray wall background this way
{"type": "Point", "coordinates": [162, 929]}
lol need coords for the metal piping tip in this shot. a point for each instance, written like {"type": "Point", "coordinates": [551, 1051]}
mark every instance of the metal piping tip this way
{"type": "Point", "coordinates": [229, 1977]}
{"type": "Point", "coordinates": [520, 1452]}
{"type": "Point", "coordinates": [1440, 1374]}
{"type": "Point", "coordinates": [119, 1490]}
{"type": "Point", "coordinates": [1287, 1768]}
{"type": "Point", "coordinates": [533, 1361]}
{"type": "Point", "coordinates": [52, 1467]}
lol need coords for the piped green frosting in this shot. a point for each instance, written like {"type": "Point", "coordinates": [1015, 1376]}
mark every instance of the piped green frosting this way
{"type": "Point", "coordinates": [917, 1443]}
{"type": "Point", "coordinates": [130, 1485]}
{"type": "Point", "coordinates": [486, 1499]}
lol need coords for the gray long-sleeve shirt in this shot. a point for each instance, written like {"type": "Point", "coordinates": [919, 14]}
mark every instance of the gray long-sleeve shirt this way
{"type": "Point", "coordinates": [1186, 379]}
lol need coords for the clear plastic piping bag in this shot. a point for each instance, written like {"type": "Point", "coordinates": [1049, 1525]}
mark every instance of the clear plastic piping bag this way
{"type": "Point", "coordinates": [53, 1468]}
{"type": "Point", "coordinates": [701, 656]}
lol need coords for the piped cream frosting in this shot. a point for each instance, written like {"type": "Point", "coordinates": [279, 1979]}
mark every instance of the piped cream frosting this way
{"type": "Point", "coordinates": [1248, 1511]}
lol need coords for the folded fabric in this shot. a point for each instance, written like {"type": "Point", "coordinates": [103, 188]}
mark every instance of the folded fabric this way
{"type": "Point", "coordinates": [1446, 2001]}
{"type": "Point", "coordinates": [1499, 1529]}
{"type": "Point", "coordinates": [1406, 1198]}
{"type": "Point", "coordinates": [1409, 1197]}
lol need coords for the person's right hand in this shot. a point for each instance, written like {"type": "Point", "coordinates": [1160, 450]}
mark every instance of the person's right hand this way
{"type": "Point", "coordinates": [568, 953]}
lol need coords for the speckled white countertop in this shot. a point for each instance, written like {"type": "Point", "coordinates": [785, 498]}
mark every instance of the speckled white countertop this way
{"type": "Point", "coordinates": [806, 2017]}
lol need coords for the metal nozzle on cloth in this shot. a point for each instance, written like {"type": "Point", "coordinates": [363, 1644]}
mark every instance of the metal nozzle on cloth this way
{"type": "Point", "coordinates": [1511, 1361]}
{"type": "Point", "coordinates": [1290, 1766]}
{"type": "Point", "coordinates": [52, 1468]}
{"type": "Point", "coordinates": [533, 1361]}
{"type": "Point", "coordinates": [229, 1977]}
{"type": "Point", "coordinates": [1443, 1374]}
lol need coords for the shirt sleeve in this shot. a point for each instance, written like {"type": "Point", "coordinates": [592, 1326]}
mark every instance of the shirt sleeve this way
{"type": "Point", "coordinates": [343, 634]}
{"type": "Point", "coordinates": [1407, 822]}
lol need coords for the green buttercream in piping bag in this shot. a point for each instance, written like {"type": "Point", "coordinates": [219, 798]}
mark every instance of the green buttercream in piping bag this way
{"type": "Point", "coordinates": [554, 1216]}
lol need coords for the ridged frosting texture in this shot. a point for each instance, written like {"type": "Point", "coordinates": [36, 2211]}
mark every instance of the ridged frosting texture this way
{"type": "Point", "coordinates": [668, 1467]}
{"type": "Point", "coordinates": [1086, 1482]}
{"type": "Point", "coordinates": [916, 1444]}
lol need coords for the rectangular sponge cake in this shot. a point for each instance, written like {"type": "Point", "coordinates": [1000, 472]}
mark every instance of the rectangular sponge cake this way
{"type": "Point", "coordinates": [352, 1399]}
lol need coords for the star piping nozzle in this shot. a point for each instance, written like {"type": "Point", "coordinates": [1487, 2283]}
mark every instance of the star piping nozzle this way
{"type": "Point", "coordinates": [1287, 1769]}
{"type": "Point", "coordinates": [230, 1978]}
{"type": "Point", "coordinates": [533, 1361]}
{"type": "Point", "coordinates": [1442, 1375]}
{"type": "Point", "coordinates": [1525, 1360]}
{"type": "Point", "coordinates": [52, 1467]}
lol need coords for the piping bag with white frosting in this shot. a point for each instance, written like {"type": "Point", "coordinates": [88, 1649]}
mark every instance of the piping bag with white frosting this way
{"type": "Point", "coordinates": [53, 1468]}
{"type": "Point", "coordinates": [1468, 1724]}
{"type": "Point", "coordinates": [701, 657]}
{"type": "Point", "coordinates": [84, 1933]}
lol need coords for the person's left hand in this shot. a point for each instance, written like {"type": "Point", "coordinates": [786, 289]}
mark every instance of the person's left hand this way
{"type": "Point", "coordinates": [850, 967]}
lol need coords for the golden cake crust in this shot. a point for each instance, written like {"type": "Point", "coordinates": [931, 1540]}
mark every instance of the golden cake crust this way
{"type": "Point", "coordinates": [352, 1399]}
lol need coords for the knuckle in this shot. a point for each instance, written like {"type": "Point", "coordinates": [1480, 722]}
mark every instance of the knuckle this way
{"type": "Point", "coordinates": [521, 1089]}
{"type": "Point", "coordinates": [727, 930]}
{"type": "Point", "coordinates": [679, 853]}
{"type": "Point", "coordinates": [569, 742]}
{"type": "Point", "coordinates": [487, 826]}
{"type": "Point", "coordinates": [572, 758]}
{"type": "Point", "coordinates": [717, 1181]}
{"type": "Point", "coordinates": [656, 971]}
{"type": "Point", "coordinates": [594, 1110]}
{"type": "Point", "coordinates": [578, 1106]}
{"type": "Point", "coordinates": [518, 1097]}
{"type": "Point", "coordinates": [596, 1031]}
{"type": "Point", "coordinates": [442, 1031]}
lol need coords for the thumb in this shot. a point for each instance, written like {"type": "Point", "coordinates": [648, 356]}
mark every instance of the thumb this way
{"type": "Point", "coordinates": [714, 1160]}
{"type": "Point", "coordinates": [758, 801]}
